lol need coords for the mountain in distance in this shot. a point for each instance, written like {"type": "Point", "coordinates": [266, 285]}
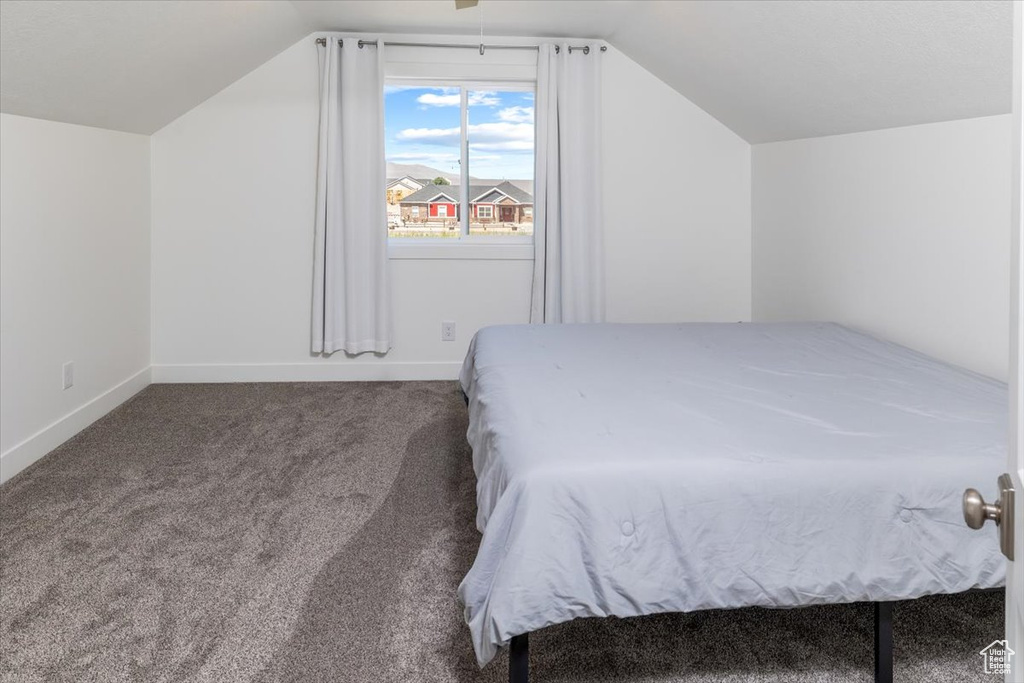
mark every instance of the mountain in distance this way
{"type": "Point", "coordinates": [419, 171]}
{"type": "Point", "coordinates": [427, 172]}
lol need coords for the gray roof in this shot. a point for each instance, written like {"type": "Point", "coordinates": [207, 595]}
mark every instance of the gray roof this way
{"type": "Point", "coordinates": [427, 193]}
{"type": "Point", "coordinates": [475, 191]}
{"type": "Point", "coordinates": [523, 184]}
{"type": "Point", "coordinates": [505, 187]}
{"type": "Point", "coordinates": [421, 181]}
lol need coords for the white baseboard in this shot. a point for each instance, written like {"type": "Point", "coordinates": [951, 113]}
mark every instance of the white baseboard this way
{"type": "Point", "coordinates": [21, 455]}
{"type": "Point", "coordinates": [307, 372]}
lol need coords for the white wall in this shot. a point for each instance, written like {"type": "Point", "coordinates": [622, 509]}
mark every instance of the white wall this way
{"type": "Point", "coordinates": [677, 204]}
{"type": "Point", "coordinates": [233, 199]}
{"type": "Point", "coordinates": [903, 233]}
{"type": "Point", "coordinates": [74, 279]}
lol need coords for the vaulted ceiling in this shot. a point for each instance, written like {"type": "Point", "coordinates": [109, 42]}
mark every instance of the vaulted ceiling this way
{"type": "Point", "coordinates": [770, 71]}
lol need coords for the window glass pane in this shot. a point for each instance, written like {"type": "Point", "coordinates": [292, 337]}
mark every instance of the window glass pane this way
{"type": "Point", "coordinates": [422, 134]}
{"type": "Point", "coordinates": [501, 141]}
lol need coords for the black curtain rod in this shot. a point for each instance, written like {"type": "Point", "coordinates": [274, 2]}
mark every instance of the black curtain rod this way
{"type": "Point", "coordinates": [481, 47]}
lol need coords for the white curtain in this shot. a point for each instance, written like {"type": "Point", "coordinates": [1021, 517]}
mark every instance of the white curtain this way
{"type": "Point", "coordinates": [568, 268]}
{"type": "Point", "coordinates": [351, 297]}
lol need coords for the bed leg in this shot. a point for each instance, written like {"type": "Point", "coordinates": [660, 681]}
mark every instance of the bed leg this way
{"type": "Point", "coordinates": [883, 642]}
{"type": "Point", "coordinates": [519, 659]}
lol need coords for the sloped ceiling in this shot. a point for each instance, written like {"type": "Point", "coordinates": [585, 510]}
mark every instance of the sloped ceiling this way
{"type": "Point", "coordinates": [796, 69]}
{"type": "Point", "coordinates": [132, 66]}
{"type": "Point", "coordinates": [770, 70]}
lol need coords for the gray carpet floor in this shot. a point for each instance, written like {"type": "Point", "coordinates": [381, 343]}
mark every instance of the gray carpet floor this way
{"type": "Point", "coordinates": [317, 532]}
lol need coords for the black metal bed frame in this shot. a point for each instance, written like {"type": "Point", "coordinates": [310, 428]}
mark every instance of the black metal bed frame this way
{"type": "Point", "coordinates": [519, 649]}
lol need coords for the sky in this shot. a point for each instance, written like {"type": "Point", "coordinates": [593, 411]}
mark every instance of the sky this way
{"type": "Point", "coordinates": [421, 126]}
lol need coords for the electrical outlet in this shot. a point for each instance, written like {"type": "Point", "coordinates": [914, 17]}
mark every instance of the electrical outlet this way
{"type": "Point", "coordinates": [69, 375]}
{"type": "Point", "coordinates": [448, 330]}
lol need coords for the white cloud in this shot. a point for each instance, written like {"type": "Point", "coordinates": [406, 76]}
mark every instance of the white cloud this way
{"type": "Point", "coordinates": [391, 89]}
{"type": "Point", "coordinates": [423, 157]}
{"type": "Point", "coordinates": [501, 135]}
{"type": "Point", "coordinates": [510, 146]}
{"type": "Point", "coordinates": [434, 100]}
{"type": "Point", "coordinates": [439, 159]}
{"type": "Point", "coordinates": [433, 136]}
{"type": "Point", "coordinates": [477, 98]}
{"type": "Point", "coordinates": [516, 114]}
{"type": "Point", "coordinates": [408, 156]}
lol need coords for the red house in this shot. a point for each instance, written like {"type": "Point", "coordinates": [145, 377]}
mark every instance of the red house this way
{"type": "Point", "coordinates": [432, 204]}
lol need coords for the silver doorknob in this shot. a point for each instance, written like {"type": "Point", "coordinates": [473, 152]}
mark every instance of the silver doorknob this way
{"type": "Point", "coordinates": [977, 511]}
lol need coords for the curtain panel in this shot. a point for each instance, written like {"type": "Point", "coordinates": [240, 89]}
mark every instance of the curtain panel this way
{"type": "Point", "coordinates": [568, 268]}
{"type": "Point", "coordinates": [351, 288]}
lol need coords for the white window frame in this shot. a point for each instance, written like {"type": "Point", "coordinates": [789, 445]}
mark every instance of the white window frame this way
{"type": "Point", "coordinates": [512, 247]}
{"type": "Point", "coordinates": [490, 211]}
{"type": "Point", "coordinates": [442, 210]}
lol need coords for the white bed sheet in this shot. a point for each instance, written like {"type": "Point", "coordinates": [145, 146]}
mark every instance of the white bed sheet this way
{"type": "Point", "coordinates": [634, 469]}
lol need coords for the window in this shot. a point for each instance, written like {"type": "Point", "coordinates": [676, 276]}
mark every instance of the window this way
{"type": "Point", "coordinates": [467, 142]}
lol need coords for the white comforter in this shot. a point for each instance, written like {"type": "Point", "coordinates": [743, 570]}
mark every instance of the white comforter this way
{"type": "Point", "coordinates": [633, 469]}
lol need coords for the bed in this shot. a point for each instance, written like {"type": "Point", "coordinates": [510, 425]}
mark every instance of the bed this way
{"type": "Point", "coordinates": [634, 469]}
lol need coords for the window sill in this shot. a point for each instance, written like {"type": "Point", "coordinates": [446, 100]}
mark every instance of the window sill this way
{"type": "Point", "coordinates": [459, 250]}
